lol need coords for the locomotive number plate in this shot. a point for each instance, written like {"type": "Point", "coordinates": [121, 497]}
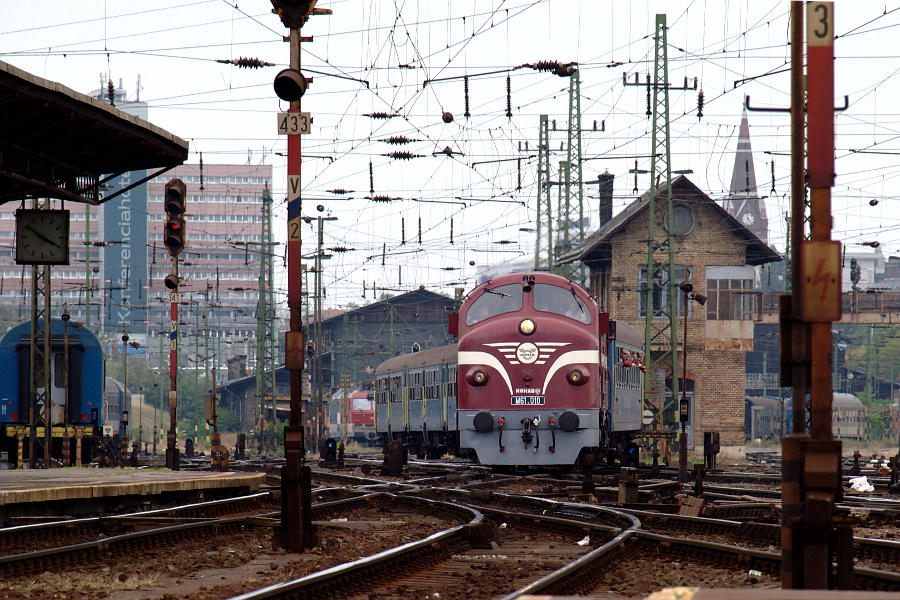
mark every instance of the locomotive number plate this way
{"type": "Point", "coordinates": [527, 400]}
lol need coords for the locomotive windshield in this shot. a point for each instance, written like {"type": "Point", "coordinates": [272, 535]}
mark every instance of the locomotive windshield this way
{"type": "Point", "coordinates": [561, 301]}
{"type": "Point", "coordinates": [496, 301]}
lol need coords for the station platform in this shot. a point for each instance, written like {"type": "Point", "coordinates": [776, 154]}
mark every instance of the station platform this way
{"type": "Point", "coordinates": [45, 493]}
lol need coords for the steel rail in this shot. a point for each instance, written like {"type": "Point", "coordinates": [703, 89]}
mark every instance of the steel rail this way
{"type": "Point", "coordinates": [324, 584]}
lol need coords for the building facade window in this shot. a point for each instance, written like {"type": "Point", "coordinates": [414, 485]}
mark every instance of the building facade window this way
{"type": "Point", "coordinates": [730, 293]}
{"type": "Point", "coordinates": [661, 290]}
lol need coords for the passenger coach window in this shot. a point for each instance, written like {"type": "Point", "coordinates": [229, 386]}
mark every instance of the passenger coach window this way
{"type": "Point", "coordinates": [562, 301]}
{"type": "Point", "coordinates": [495, 301]}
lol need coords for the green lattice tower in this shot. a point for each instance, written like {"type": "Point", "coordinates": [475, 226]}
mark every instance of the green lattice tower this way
{"type": "Point", "coordinates": [571, 228]}
{"type": "Point", "coordinates": [265, 323]}
{"type": "Point", "coordinates": [660, 328]}
{"type": "Point", "coordinates": [543, 248]}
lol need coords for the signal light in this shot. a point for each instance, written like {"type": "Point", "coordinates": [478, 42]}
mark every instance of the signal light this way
{"type": "Point", "coordinates": [171, 282]}
{"type": "Point", "coordinates": [855, 271]}
{"type": "Point", "coordinates": [293, 13]}
{"type": "Point", "coordinates": [290, 85]}
{"type": "Point", "coordinates": [174, 229]}
{"type": "Point", "coordinates": [329, 450]}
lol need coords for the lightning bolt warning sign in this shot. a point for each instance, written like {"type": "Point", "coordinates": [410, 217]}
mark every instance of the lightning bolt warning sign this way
{"type": "Point", "coordinates": [821, 281]}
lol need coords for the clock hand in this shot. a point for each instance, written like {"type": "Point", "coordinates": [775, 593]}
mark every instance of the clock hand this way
{"type": "Point", "coordinates": [42, 236]}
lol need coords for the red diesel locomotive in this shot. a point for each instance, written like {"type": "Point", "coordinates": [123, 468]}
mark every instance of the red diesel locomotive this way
{"type": "Point", "coordinates": [532, 376]}
{"type": "Point", "coordinates": [537, 378]}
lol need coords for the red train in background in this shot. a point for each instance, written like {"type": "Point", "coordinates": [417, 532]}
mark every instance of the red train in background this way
{"type": "Point", "coordinates": [361, 425]}
{"type": "Point", "coordinates": [535, 379]}
{"type": "Point", "coordinates": [352, 417]}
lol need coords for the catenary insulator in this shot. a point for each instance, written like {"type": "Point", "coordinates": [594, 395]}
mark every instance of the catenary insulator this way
{"type": "Point", "coordinates": [466, 114]}
{"type": "Point", "coordinates": [247, 63]}
{"type": "Point", "coordinates": [402, 155]}
{"type": "Point", "coordinates": [340, 191]}
{"type": "Point", "coordinates": [398, 140]}
{"type": "Point", "coordinates": [379, 115]}
{"type": "Point", "coordinates": [560, 68]}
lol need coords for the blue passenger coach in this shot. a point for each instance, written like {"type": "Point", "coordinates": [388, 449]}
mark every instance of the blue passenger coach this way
{"type": "Point", "coordinates": [76, 395]}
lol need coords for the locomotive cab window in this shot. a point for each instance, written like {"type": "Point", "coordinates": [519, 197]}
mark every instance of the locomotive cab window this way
{"type": "Point", "coordinates": [561, 301]}
{"type": "Point", "coordinates": [495, 301]}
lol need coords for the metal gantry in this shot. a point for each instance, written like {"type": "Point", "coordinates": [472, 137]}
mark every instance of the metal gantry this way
{"type": "Point", "coordinates": [543, 248]}
{"type": "Point", "coordinates": [40, 374]}
{"type": "Point", "coordinates": [265, 327]}
{"type": "Point", "coordinates": [571, 225]}
{"type": "Point", "coordinates": [660, 285]}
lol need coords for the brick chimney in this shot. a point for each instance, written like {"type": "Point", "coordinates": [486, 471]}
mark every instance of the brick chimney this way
{"type": "Point", "coordinates": [606, 197]}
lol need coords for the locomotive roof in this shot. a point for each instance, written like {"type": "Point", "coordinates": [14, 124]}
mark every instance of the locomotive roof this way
{"type": "Point", "coordinates": [439, 355]}
{"type": "Point", "coordinates": [846, 401]}
{"type": "Point", "coordinates": [763, 401]}
{"type": "Point", "coordinates": [627, 334]}
{"type": "Point", "coordinates": [840, 400]}
{"type": "Point", "coordinates": [519, 277]}
{"type": "Point", "coordinates": [20, 333]}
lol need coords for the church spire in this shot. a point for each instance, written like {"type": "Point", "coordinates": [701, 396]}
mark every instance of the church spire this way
{"type": "Point", "coordinates": [743, 179]}
{"type": "Point", "coordinates": [743, 201]}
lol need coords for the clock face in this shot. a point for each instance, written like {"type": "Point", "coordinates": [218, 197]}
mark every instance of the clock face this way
{"type": "Point", "coordinates": [748, 219]}
{"type": "Point", "coordinates": [42, 237]}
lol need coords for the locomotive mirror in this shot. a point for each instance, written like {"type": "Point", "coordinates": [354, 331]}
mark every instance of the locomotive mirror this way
{"type": "Point", "coordinates": [42, 237]}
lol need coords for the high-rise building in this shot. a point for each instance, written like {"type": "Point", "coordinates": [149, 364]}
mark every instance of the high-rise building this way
{"type": "Point", "coordinates": [219, 267]}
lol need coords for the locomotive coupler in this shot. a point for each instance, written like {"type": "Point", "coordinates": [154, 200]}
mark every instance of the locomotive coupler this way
{"type": "Point", "coordinates": [526, 431]}
{"type": "Point", "coordinates": [527, 426]}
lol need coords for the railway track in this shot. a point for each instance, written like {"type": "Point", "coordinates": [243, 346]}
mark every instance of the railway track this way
{"type": "Point", "coordinates": [754, 535]}
{"type": "Point", "coordinates": [668, 554]}
{"type": "Point", "coordinates": [445, 562]}
{"type": "Point", "coordinates": [70, 532]}
{"type": "Point", "coordinates": [535, 540]}
{"type": "Point", "coordinates": [456, 565]}
{"type": "Point", "coordinates": [37, 548]}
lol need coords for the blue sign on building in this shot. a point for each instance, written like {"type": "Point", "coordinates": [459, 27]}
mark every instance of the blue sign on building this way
{"type": "Point", "coordinates": [125, 256]}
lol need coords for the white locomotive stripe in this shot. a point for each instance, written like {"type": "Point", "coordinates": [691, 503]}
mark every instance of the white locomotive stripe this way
{"type": "Point", "coordinates": [489, 360]}
{"type": "Point", "coordinates": [571, 358]}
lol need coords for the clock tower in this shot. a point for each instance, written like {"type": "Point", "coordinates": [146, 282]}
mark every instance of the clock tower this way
{"type": "Point", "coordinates": [743, 201]}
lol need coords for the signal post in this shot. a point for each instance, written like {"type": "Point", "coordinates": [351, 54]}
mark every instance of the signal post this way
{"type": "Point", "coordinates": [296, 531]}
{"type": "Point", "coordinates": [812, 538]}
{"type": "Point", "coordinates": [174, 233]}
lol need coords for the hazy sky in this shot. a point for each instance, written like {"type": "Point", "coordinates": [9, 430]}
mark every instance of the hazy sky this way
{"type": "Point", "coordinates": [375, 56]}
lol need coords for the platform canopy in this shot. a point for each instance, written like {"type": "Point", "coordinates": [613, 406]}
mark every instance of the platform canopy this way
{"type": "Point", "coordinates": [58, 143]}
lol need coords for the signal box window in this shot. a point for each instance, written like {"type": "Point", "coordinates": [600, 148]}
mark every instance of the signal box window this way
{"type": "Point", "coordinates": [729, 299]}
{"type": "Point", "coordinates": [560, 301]}
{"type": "Point", "coordinates": [495, 301]}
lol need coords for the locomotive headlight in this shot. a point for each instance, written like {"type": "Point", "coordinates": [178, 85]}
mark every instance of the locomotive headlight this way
{"type": "Point", "coordinates": [526, 327]}
{"type": "Point", "coordinates": [477, 377]}
{"type": "Point", "coordinates": [578, 376]}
